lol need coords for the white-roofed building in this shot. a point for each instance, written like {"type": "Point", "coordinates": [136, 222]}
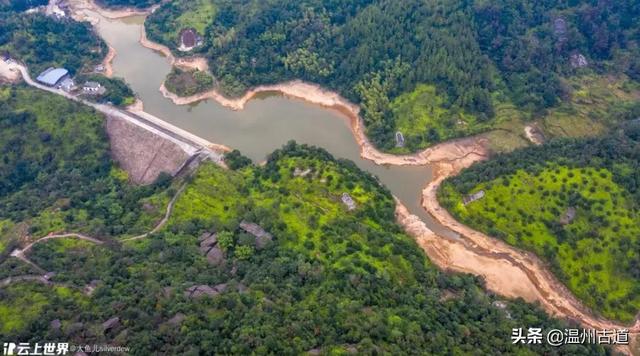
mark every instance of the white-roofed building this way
{"type": "Point", "coordinates": [52, 76]}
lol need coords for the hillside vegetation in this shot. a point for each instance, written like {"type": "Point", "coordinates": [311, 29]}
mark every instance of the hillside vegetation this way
{"type": "Point", "coordinates": [331, 279]}
{"type": "Point", "coordinates": [430, 69]}
{"type": "Point", "coordinates": [56, 173]}
{"type": "Point", "coordinates": [43, 42]}
{"type": "Point", "coordinates": [188, 82]}
{"type": "Point", "coordinates": [165, 25]}
{"type": "Point", "coordinates": [575, 204]}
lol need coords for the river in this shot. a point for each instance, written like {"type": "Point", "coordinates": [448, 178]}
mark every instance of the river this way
{"type": "Point", "coordinates": [266, 123]}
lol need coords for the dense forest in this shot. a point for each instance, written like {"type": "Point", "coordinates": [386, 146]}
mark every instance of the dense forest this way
{"type": "Point", "coordinates": [20, 5]}
{"type": "Point", "coordinates": [328, 279]}
{"type": "Point", "coordinates": [573, 202]}
{"type": "Point", "coordinates": [382, 54]}
{"type": "Point", "coordinates": [42, 41]}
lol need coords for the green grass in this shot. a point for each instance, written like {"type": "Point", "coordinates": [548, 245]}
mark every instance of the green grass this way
{"type": "Point", "coordinates": [596, 103]}
{"type": "Point", "coordinates": [165, 24]}
{"type": "Point", "coordinates": [301, 208]}
{"type": "Point", "coordinates": [199, 14]}
{"type": "Point", "coordinates": [525, 210]}
{"type": "Point", "coordinates": [24, 303]}
{"type": "Point", "coordinates": [422, 118]}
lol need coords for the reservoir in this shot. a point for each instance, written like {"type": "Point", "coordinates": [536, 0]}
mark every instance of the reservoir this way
{"type": "Point", "coordinates": [266, 123]}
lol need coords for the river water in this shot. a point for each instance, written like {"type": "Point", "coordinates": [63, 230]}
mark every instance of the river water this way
{"type": "Point", "coordinates": [266, 123]}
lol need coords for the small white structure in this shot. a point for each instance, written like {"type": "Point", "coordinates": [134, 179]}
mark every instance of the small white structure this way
{"type": "Point", "coordinates": [473, 197]}
{"type": "Point", "coordinates": [348, 201]}
{"type": "Point", "coordinates": [399, 139]}
{"type": "Point", "coordinates": [67, 85]}
{"type": "Point", "coordinates": [93, 88]}
{"type": "Point", "coordinates": [578, 60]}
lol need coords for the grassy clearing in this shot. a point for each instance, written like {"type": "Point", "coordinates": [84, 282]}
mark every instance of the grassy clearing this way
{"type": "Point", "coordinates": [423, 119]}
{"type": "Point", "coordinates": [25, 303]}
{"type": "Point", "coordinates": [596, 104]}
{"type": "Point", "coordinates": [164, 25]}
{"type": "Point", "coordinates": [302, 207]}
{"type": "Point", "coordinates": [199, 14]}
{"type": "Point", "coordinates": [525, 210]}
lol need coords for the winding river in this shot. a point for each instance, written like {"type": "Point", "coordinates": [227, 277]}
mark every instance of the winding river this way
{"type": "Point", "coordinates": [265, 124]}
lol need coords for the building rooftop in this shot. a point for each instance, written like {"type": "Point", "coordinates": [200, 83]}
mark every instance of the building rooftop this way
{"type": "Point", "coordinates": [94, 85]}
{"type": "Point", "coordinates": [348, 201]}
{"type": "Point", "coordinates": [473, 197]}
{"type": "Point", "coordinates": [52, 76]}
{"type": "Point", "coordinates": [188, 37]}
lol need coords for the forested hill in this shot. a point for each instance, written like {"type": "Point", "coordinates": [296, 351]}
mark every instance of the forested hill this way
{"type": "Point", "coordinates": [432, 69]}
{"type": "Point", "coordinates": [575, 203]}
{"type": "Point", "coordinates": [42, 41]}
{"type": "Point", "coordinates": [20, 5]}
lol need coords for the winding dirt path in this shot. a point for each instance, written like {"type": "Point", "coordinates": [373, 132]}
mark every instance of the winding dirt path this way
{"type": "Point", "coordinates": [21, 254]}
{"type": "Point", "coordinates": [164, 219]}
{"type": "Point", "coordinates": [32, 278]}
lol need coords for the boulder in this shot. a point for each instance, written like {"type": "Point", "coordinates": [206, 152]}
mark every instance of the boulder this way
{"type": "Point", "coordinates": [209, 241]}
{"type": "Point", "coordinates": [215, 256]}
{"type": "Point", "coordinates": [263, 240]}
{"type": "Point", "coordinates": [201, 291]}
{"type": "Point", "coordinates": [177, 319]}
{"type": "Point", "coordinates": [110, 324]}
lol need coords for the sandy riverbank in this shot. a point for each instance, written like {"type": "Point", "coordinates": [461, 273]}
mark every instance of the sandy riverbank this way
{"type": "Point", "coordinates": [106, 62]}
{"type": "Point", "coordinates": [8, 74]}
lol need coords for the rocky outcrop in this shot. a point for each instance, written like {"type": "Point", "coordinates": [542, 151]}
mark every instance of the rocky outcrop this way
{"type": "Point", "coordinates": [263, 238]}
{"type": "Point", "coordinates": [203, 290]}
{"type": "Point", "coordinates": [141, 153]}
{"type": "Point", "coordinates": [209, 248]}
{"type": "Point", "coordinates": [215, 256]}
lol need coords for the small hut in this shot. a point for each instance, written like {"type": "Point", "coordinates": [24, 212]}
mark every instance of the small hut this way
{"type": "Point", "coordinates": [399, 139]}
{"type": "Point", "coordinates": [473, 197]}
{"type": "Point", "coordinates": [348, 201]}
